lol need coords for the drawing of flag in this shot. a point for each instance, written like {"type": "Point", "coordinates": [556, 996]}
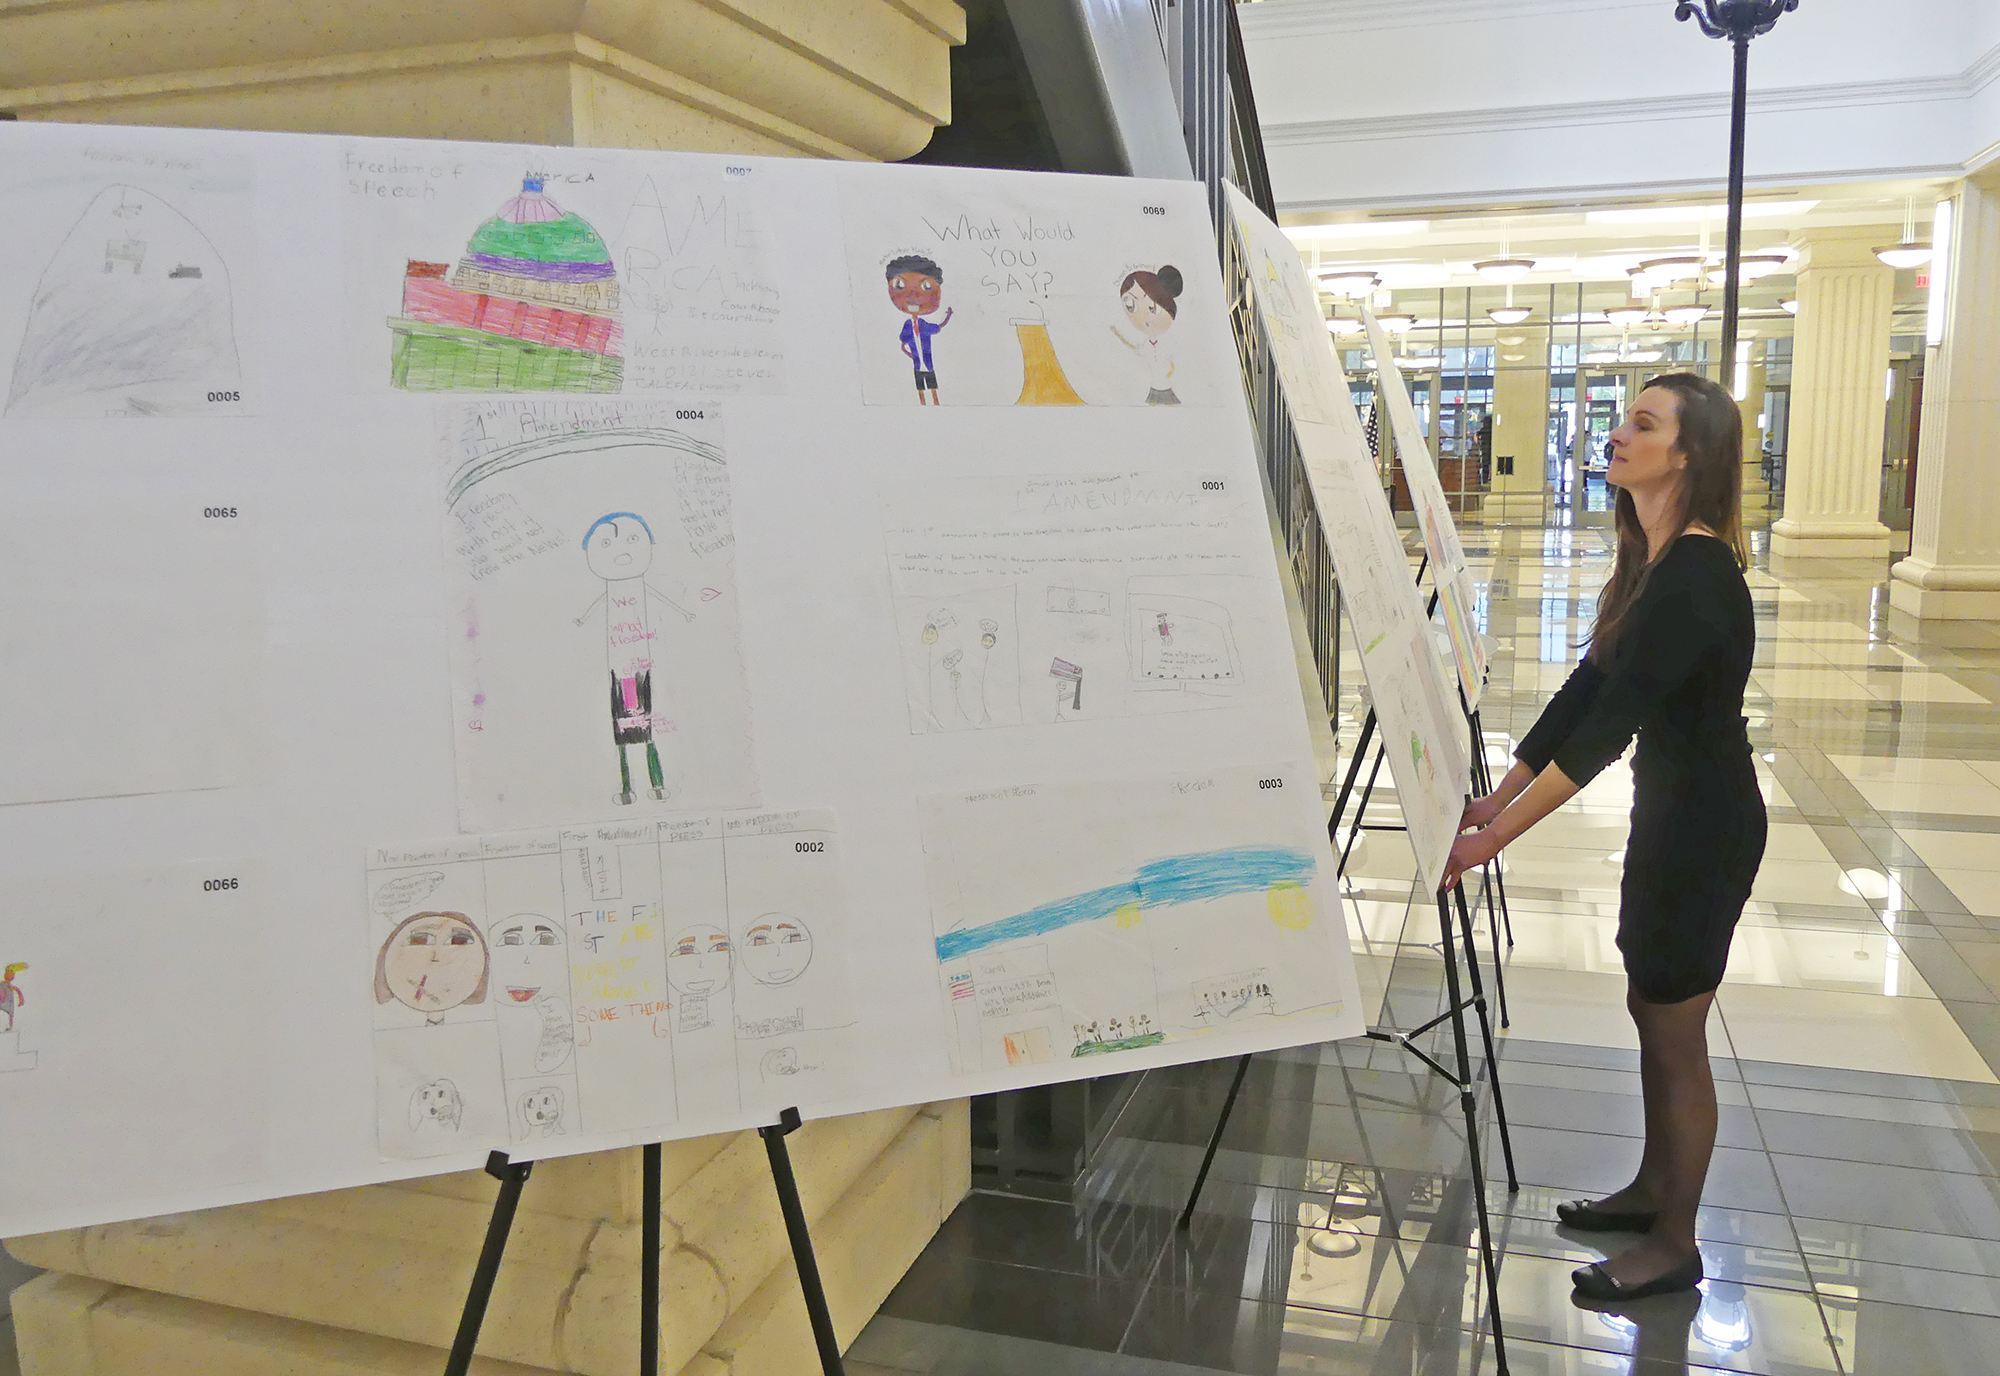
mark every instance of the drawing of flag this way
{"type": "Point", "coordinates": [961, 987]}
{"type": "Point", "coordinates": [1374, 434]}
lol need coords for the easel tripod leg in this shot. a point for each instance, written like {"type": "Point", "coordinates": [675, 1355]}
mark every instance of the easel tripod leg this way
{"type": "Point", "coordinates": [512, 1177]}
{"type": "Point", "coordinates": [801, 1239]}
{"type": "Point", "coordinates": [1361, 810]}
{"type": "Point", "coordinates": [1485, 1032]}
{"type": "Point", "coordinates": [1214, 1141]}
{"type": "Point", "coordinates": [1353, 773]}
{"type": "Point", "coordinates": [1471, 1111]}
{"type": "Point", "coordinates": [649, 1262]}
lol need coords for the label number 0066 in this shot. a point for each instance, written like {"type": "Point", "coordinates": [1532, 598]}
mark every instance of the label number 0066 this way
{"type": "Point", "coordinates": [217, 885]}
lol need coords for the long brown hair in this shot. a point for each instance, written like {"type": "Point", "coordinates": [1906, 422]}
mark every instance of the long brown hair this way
{"type": "Point", "coordinates": [1710, 494]}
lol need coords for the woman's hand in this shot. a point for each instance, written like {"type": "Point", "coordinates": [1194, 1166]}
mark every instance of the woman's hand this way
{"type": "Point", "coordinates": [1469, 852]}
{"type": "Point", "coordinates": [1480, 812]}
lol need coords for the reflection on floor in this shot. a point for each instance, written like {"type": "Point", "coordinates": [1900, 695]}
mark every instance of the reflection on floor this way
{"type": "Point", "coordinates": [1853, 1213]}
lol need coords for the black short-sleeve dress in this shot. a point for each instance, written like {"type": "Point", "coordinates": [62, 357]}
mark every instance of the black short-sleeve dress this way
{"type": "Point", "coordinates": [1675, 679]}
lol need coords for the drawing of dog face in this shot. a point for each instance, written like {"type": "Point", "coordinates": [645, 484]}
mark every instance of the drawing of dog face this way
{"type": "Point", "coordinates": [432, 962]}
{"type": "Point", "coordinates": [777, 949]}
{"type": "Point", "coordinates": [698, 961]}
{"type": "Point", "coordinates": [528, 954]}
{"type": "Point", "coordinates": [619, 546]}
{"type": "Point", "coordinates": [437, 1104]}
{"type": "Point", "coordinates": [541, 1110]}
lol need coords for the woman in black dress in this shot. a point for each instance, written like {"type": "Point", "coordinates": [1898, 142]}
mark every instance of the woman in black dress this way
{"type": "Point", "coordinates": [1669, 656]}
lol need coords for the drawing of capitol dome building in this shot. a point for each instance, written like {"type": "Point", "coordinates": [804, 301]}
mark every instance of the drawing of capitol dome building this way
{"type": "Point", "coordinates": [531, 307]}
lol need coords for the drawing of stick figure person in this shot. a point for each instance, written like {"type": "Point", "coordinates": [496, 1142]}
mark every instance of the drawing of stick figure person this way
{"type": "Point", "coordinates": [11, 996]}
{"type": "Point", "coordinates": [989, 636]}
{"type": "Point", "coordinates": [619, 548]}
{"type": "Point", "coordinates": [916, 288]}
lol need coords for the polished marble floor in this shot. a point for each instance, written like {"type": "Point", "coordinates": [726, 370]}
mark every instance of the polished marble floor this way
{"type": "Point", "coordinates": [1853, 1213]}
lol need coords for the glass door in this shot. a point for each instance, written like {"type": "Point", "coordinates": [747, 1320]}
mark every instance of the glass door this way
{"type": "Point", "coordinates": [1606, 393]}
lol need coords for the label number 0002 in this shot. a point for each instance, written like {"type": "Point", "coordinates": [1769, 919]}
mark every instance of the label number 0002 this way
{"type": "Point", "coordinates": [1270, 783]}
{"type": "Point", "coordinates": [808, 846]}
{"type": "Point", "coordinates": [217, 885]}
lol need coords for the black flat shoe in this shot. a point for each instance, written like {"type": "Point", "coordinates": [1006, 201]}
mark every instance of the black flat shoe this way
{"type": "Point", "coordinates": [1586, 1217]}
{"type": "Point", "coordinates": [1593, 1282]}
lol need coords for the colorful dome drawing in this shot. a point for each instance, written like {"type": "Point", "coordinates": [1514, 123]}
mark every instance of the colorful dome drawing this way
{"type": "Point", "coordinates": [531, 307]}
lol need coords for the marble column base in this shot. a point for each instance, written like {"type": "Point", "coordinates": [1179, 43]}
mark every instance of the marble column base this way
{"type": "Point", "coordinates": [1945, 592]}
{"type": "Point", "coordinates": [1793, 539]}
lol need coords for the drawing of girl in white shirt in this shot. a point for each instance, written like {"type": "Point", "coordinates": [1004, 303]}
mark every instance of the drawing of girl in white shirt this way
{"type": "Point", "coordinates": [1149, 304]}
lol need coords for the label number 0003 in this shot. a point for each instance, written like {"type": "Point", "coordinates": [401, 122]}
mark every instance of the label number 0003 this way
{"type": "Point", "coordinates": [1270, 783]}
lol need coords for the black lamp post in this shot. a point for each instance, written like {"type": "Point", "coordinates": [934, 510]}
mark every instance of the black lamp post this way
{"type": "Point", "coordinates": [1739, 21]}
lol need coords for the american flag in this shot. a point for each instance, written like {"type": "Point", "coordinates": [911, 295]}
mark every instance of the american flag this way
{"type": "Point", "coordinates": [961, 987]}
{"type": "Point", "coordinates": [1374, 433]}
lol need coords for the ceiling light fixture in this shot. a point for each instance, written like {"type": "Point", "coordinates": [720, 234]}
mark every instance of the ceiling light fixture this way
{"type": "Point", "coordinates": [1625, 317]}
{"type": "Point", "coordinates": [1790, 307]}
{"type": "Point", "coordinates": [1753, 266]}
{"type": "Point", "coordinates": [1397, 325]}
{"type": "Point", "coordinates": [1508, 315]}
{"type": "Point", "coordinates": [1352, 283]}
{"type": "Point", "coordinates": [1909, 253]}
{"type": "Point", "coordinates": [1669, 270]}
{"type": "Point", "coordinates": [1341, 327]}
{"type": "Point", "coordinates": [1504, 271]}
{"type": "Point", "coordinates": [1685, 315]}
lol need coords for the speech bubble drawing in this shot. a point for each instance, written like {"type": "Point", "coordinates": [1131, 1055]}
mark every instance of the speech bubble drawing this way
{"type": "Point", "coordinates": [406, 891]}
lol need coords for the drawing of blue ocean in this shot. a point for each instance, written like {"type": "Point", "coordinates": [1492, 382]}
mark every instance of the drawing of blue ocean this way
{"type": "Point", "coordinates": [1281, 873]}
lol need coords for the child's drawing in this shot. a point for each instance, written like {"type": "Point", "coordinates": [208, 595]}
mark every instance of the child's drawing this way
{"type": "Point", "coordinates": [540, 1111]}
{"type": "Point", "coordinates": [777, 949]}
{"type": "Point", "coordinates": [596, 652]}
{"type": "Point", "coordinates": [1181, 642]}
{"type": "Point", "coordinates": [11, 996]}
{"type": "Point", "coordinates": [1150, 302]}
{"type": "Point", "coordinates": [702, 304]}
{"type": "Point", "coordinates": [432, 962]}
{"type": "Point", "coordinates": [437, 1106]}
{"type": "Point", "coordinates": [962, 661]}
{"type": "Point", "coordinates": [1107, 943]}
{"type": "Point", "coordinates": [1051, 297]}
{"type": "Point", "coordinates": [531, 306]}
{"type": "Point", "coordinates": [531, 970]}
{"type": "Point", "coordinates": [132, 317]}
{"type": "Point", "coordinates": [619, 547]}
{"type": "Point", "coordinates": [916, 288]}
{"type": "Point", "coordinates": [642, 973]}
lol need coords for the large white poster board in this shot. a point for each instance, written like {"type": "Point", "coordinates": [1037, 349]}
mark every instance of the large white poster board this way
{"type": "Point", "coordinates": [1450, 574]}
{"type": "Point", "coordinates": [1422, 729]}
{"type": "Point", "coordinates": [505, 648]}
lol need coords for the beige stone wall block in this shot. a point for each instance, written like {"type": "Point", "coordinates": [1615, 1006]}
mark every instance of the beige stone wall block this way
{"type": "Point", "coordinates": [864, 78]}
{"type": "Point", "coordinates": [495, 102]}
{"type": "Point", "coordinates": [863, 1245]}
{"type": "Point", "coordinates": [71, 1326]}
{"type": "Point", "coordinates": [955, 1116]}
{"type": "Point", "coordinates": [597, 1185]}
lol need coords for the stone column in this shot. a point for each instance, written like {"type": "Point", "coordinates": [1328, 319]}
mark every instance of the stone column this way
{"type": "Point", "coordinates": [1756, 492]}
{"type": "Point", "coordinates": [1953, 571]}
{"type": "Point", "coordinates": [1520, 425]}
{"type": "Point", "coordinates": [1840, 353]}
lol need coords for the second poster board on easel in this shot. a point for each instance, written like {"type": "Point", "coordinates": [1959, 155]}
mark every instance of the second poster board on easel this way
{"type": "Point", "coordinates": [1422, 731]}
{"type": "Point", "coordinates": [1452, 576]}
